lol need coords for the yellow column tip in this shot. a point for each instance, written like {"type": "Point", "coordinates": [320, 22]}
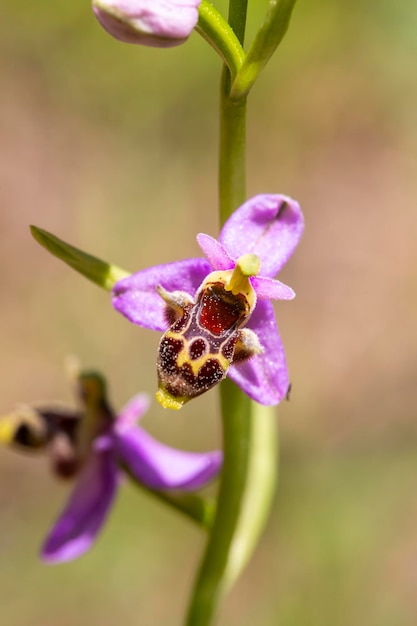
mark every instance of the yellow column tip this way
{"type": "Point", "coordinates": [168, 401]}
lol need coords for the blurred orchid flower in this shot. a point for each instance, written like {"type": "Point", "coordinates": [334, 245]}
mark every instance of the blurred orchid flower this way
{"type": "Point", "coordinates": [156, 23]}
{"type": "Point", "coordinates": [94, 446]}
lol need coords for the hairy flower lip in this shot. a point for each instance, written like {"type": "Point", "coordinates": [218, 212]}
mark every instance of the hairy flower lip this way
{"type": "Point", "coordinates": [268, 226]}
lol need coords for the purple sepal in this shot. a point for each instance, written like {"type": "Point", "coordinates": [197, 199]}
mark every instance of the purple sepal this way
{"type": "Point", "coordinates": [215, 252]}
{"type": "Point", "coordinates": [88, 506]}
{"type": "Point", "coordinates": [264, 377]}
{"type": "Point", "coordinates": [155, 464]}
{"type": "Point", "coordinates": [136, 297]}
{"type": "Point", "coordinates": [270, 289]}
{"type": "Point", "coordinates": [269, 226]}
{"type": "Point", "coordinates": [161, 467]}
{"type": "Point", "coordinates": [132, 412]}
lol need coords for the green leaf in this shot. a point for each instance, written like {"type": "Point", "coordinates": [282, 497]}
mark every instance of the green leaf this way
{"type": "Point", "coordinates": [99, 272]}
{"type": "Point", "coordinates": [256, 503]}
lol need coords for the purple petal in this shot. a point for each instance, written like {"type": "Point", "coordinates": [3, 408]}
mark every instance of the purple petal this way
{"type": "Point", "coordinates": [264, 377]}
{"type": "Point", "coordinates": [269, 226]}
{"type": "Point", "coordinates": [160, 467]}
{"type": "Point", "coordinates": [88, 506]}
{"type": "Point", "coordinates": [215, 252]}
{"type": "Point", "coordinates": [132, 412]}
{"type": "Point", "coordinates": [136, 297]}
{"type": "Point", "coordinates": [270, 289]}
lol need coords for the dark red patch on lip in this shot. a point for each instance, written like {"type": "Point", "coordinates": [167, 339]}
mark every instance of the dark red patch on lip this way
{"type": "Point", "coordinates": [179, 324]}
{"type": "Point", "coordinates": [169, 349]}
{"type": "Point", "coordinates": [210, 374]}
{"type": "Point", "coordinates": [197, 348]}
{"type": "Point", "coordinates": [187, 375]}
{"type": "Point", "coordinates": [221, 310]}
{"type": "Point", "coordinates": [229, 348]}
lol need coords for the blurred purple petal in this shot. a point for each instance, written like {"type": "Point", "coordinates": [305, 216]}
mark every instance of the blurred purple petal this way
{"type": "Point", "coordinates": [264, 377]}
{"type": "Point", "coordinates": [132, 412]}
{"type": "Point", "coordinates": [269, 226]}
{"type": "Point", "coordinates": [215, 252]}
{"type": "Point", "coordinates": [157, 23]}
{"type": "Point", "coordinates": [136, 297]}
{"type": "Point", "coordinates": [103, 442]}
{"type": "Point", "coordinates": [79, 523]}
{"type": "Point", "coordinates": [270, 289]}
{"type": "Point", "coordinates": [160, 467]}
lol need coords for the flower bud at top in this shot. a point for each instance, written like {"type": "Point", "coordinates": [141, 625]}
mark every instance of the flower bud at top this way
{"type": "Point", "coordinates": [157, 23]}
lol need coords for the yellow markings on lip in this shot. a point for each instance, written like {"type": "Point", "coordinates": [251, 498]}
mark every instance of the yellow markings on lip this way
{"type": "Point", "coordinates": [195, 364]}
{"type": "Point", "coordinates": [198, 363]}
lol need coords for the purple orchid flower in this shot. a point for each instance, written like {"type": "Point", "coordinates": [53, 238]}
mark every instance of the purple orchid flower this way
{"type": "Point", "coordinates": [121, 443]}
{"type": "Point", "coordinates": [265, 229]}
{"type": "Point", "coordinates": [156, 23]}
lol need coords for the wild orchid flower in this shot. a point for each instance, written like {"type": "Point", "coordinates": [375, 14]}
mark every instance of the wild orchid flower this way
{"type": "Point", "coordinates": [93, 447]}
{"type": "Point", "coordinates": [156, 23]}
{"type": "Point", "coordinates": [215, 312]}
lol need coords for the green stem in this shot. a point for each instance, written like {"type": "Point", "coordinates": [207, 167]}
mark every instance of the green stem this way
{"type": "Point", "coordinates": [212, 583]}
{"type": "Point", "coordinates": [193, 506]}
{"type": "Point", "coordinates": [232, 149]}
{"type": "Point", "coordinates": [245, 496]}
{"type": "Point", "coordinates": [197, 508]}
{"type": "Point", "coordinates": [264, 45]}
{"type": "Point", "coordinates": [249, 430]}
{"type": "Point", "coordinates": [232, 157]}
{"type": "Point", "coordinates": [218, 33]}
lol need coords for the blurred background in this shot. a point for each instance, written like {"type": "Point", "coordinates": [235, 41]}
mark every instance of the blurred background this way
{"type": "Point", "coordinates": [114, 148]}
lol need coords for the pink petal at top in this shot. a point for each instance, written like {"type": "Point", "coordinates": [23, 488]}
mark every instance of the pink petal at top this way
{"type": "Point", "coordinates": [160, 467]}
{"type": "Point", "coordinates": [264, 377]}
{"type": "Point", "coordinates": [157, 23]}
{"type": "Point", "coordinates": [269, 226]}
{"type": "Point", "coordinates": [215, 252]}
{"type": "Point", "coordinates": [270, 289]}
{"type": "Point", "coordinates": [136, 297]}
{"type": "Point", "coordinates": [79, 523]}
